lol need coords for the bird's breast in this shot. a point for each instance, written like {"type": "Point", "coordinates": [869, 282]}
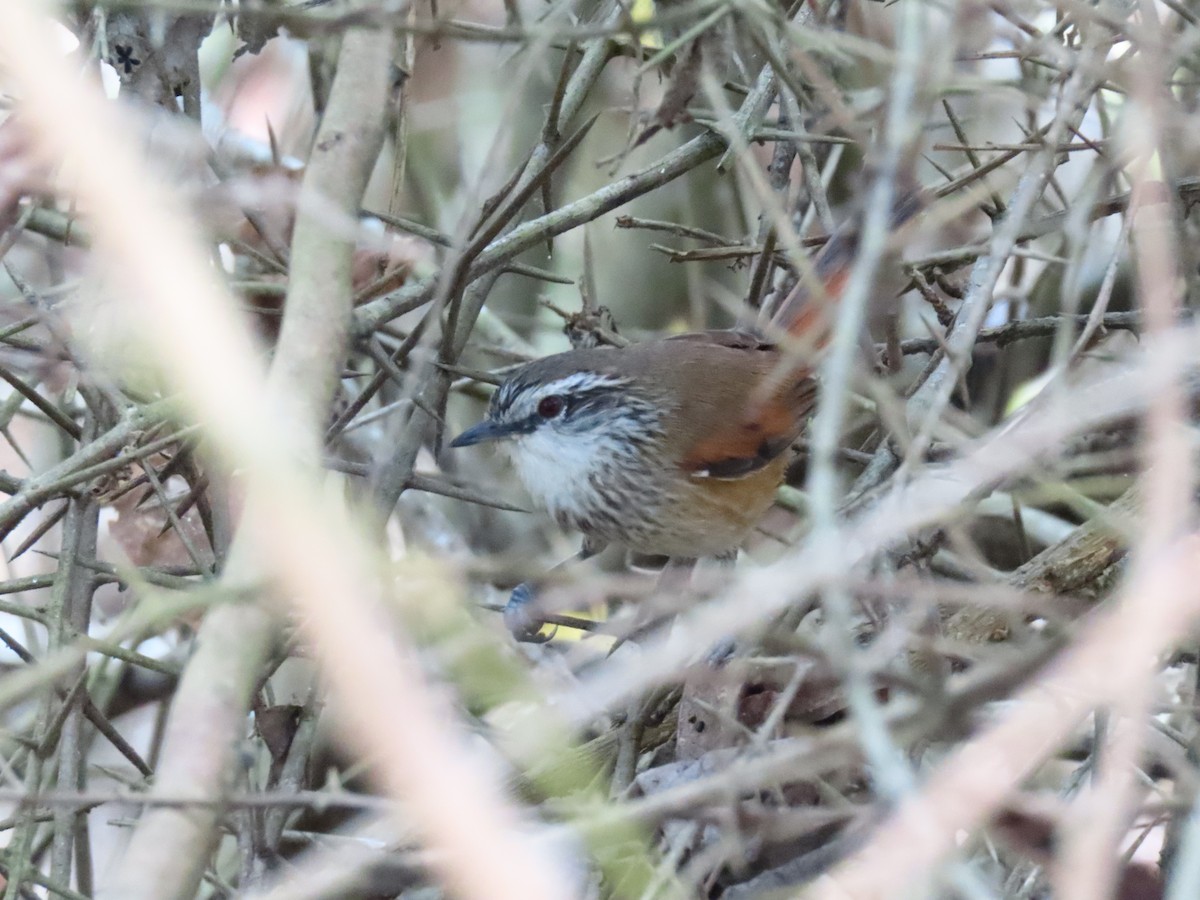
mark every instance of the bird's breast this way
{"type": "Point", "coordinates": [606, 489]}
{"type": "Point", "coordinates": [644, 503]}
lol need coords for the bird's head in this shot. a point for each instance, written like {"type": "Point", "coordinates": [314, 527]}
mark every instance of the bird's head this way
{"type": "Point", "coordinates": [560, 398]}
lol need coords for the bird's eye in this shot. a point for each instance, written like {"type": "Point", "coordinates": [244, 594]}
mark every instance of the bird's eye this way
{"type": "Point", "coordinates": [551, 407]}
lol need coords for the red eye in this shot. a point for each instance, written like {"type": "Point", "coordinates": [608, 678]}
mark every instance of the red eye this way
{"type": "Point", "coordinates": [551, 406]}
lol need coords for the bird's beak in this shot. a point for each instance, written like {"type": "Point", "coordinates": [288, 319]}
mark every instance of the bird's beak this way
{"type": "Point", "coordinates": [487, 430]}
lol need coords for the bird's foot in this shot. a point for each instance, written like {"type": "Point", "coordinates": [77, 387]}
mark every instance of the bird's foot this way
{"type": "Point", "coordinates": [519, 617]}
{"type": "Point", "coordinates": [722, 653]}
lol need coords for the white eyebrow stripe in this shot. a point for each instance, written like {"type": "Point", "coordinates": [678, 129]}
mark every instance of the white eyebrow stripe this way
{"type": "Point", "coordinates": [579, 381]}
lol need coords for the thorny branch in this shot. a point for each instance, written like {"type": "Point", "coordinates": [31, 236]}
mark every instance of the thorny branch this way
{"type": "Point", "coordinates": [875, 628]}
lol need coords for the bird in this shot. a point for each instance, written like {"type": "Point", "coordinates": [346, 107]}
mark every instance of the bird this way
{"type": "Point", "coordinates": [673, 446]}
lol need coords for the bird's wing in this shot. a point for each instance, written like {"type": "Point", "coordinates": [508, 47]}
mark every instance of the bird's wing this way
{"type": "Point", "coordinates": [746, 408]}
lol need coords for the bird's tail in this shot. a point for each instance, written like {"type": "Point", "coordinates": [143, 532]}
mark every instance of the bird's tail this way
{"type": "Point", "coordinates": [808, 311]}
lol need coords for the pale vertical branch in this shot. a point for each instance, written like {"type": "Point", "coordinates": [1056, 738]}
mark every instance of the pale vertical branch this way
{"type": "Point", "coordinates": [1087, 865]}
{"type": "Point", "coordinates": [907, 108]}
{"type": "Point", "coordinates": [233, 640]}
{"type": "Point", "coordinates": [70, 609]}
{"type": "Point", "coordinates": [80, 527]}
{"type": "Point", "coordinates": [1185, 873]}
{"type": "Point", "coordinates": [169, 847]}
{"type": "Point", "coordinates": [312, 340]}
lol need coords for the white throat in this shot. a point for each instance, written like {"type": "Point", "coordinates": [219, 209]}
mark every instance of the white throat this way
{"type": "Point", "coordinates": [557, 469]}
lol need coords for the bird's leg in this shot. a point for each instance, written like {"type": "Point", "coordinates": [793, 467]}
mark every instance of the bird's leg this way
{"type": "Point", "coordinates": [520, 613]}
{"type": "Point", "coordinates": [675, 576]}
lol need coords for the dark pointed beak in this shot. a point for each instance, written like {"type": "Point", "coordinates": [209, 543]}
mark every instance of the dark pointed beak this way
{"type": "Point", "coordinates": [486, 430]}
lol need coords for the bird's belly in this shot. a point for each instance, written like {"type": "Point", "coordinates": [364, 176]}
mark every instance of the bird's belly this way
{"type": "Point", "coordinates": [641, 502]}
{"type": "Point", "coordinates": [717, 516]}
{"type": "Point", "coordinates": [698, 517]}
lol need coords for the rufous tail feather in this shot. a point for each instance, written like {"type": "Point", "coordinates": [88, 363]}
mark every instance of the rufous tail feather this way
{"type": "Point", "coordinates": [807, 313]}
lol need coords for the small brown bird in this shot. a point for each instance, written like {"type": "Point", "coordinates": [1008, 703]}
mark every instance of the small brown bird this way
{"type": "Point", "coordinates": [671, 447]}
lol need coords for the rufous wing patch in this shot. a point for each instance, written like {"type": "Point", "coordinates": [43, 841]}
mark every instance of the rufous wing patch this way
{"type": "Point", "coordinates": [739, 448]}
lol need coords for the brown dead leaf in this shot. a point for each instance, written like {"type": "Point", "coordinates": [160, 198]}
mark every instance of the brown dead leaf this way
{"type": "Point", "coordinates": [277, 725]}
{"type": "Point", "coordinates": [721, 707]}
{"type": "Point", "coordinates": [139, 530]}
